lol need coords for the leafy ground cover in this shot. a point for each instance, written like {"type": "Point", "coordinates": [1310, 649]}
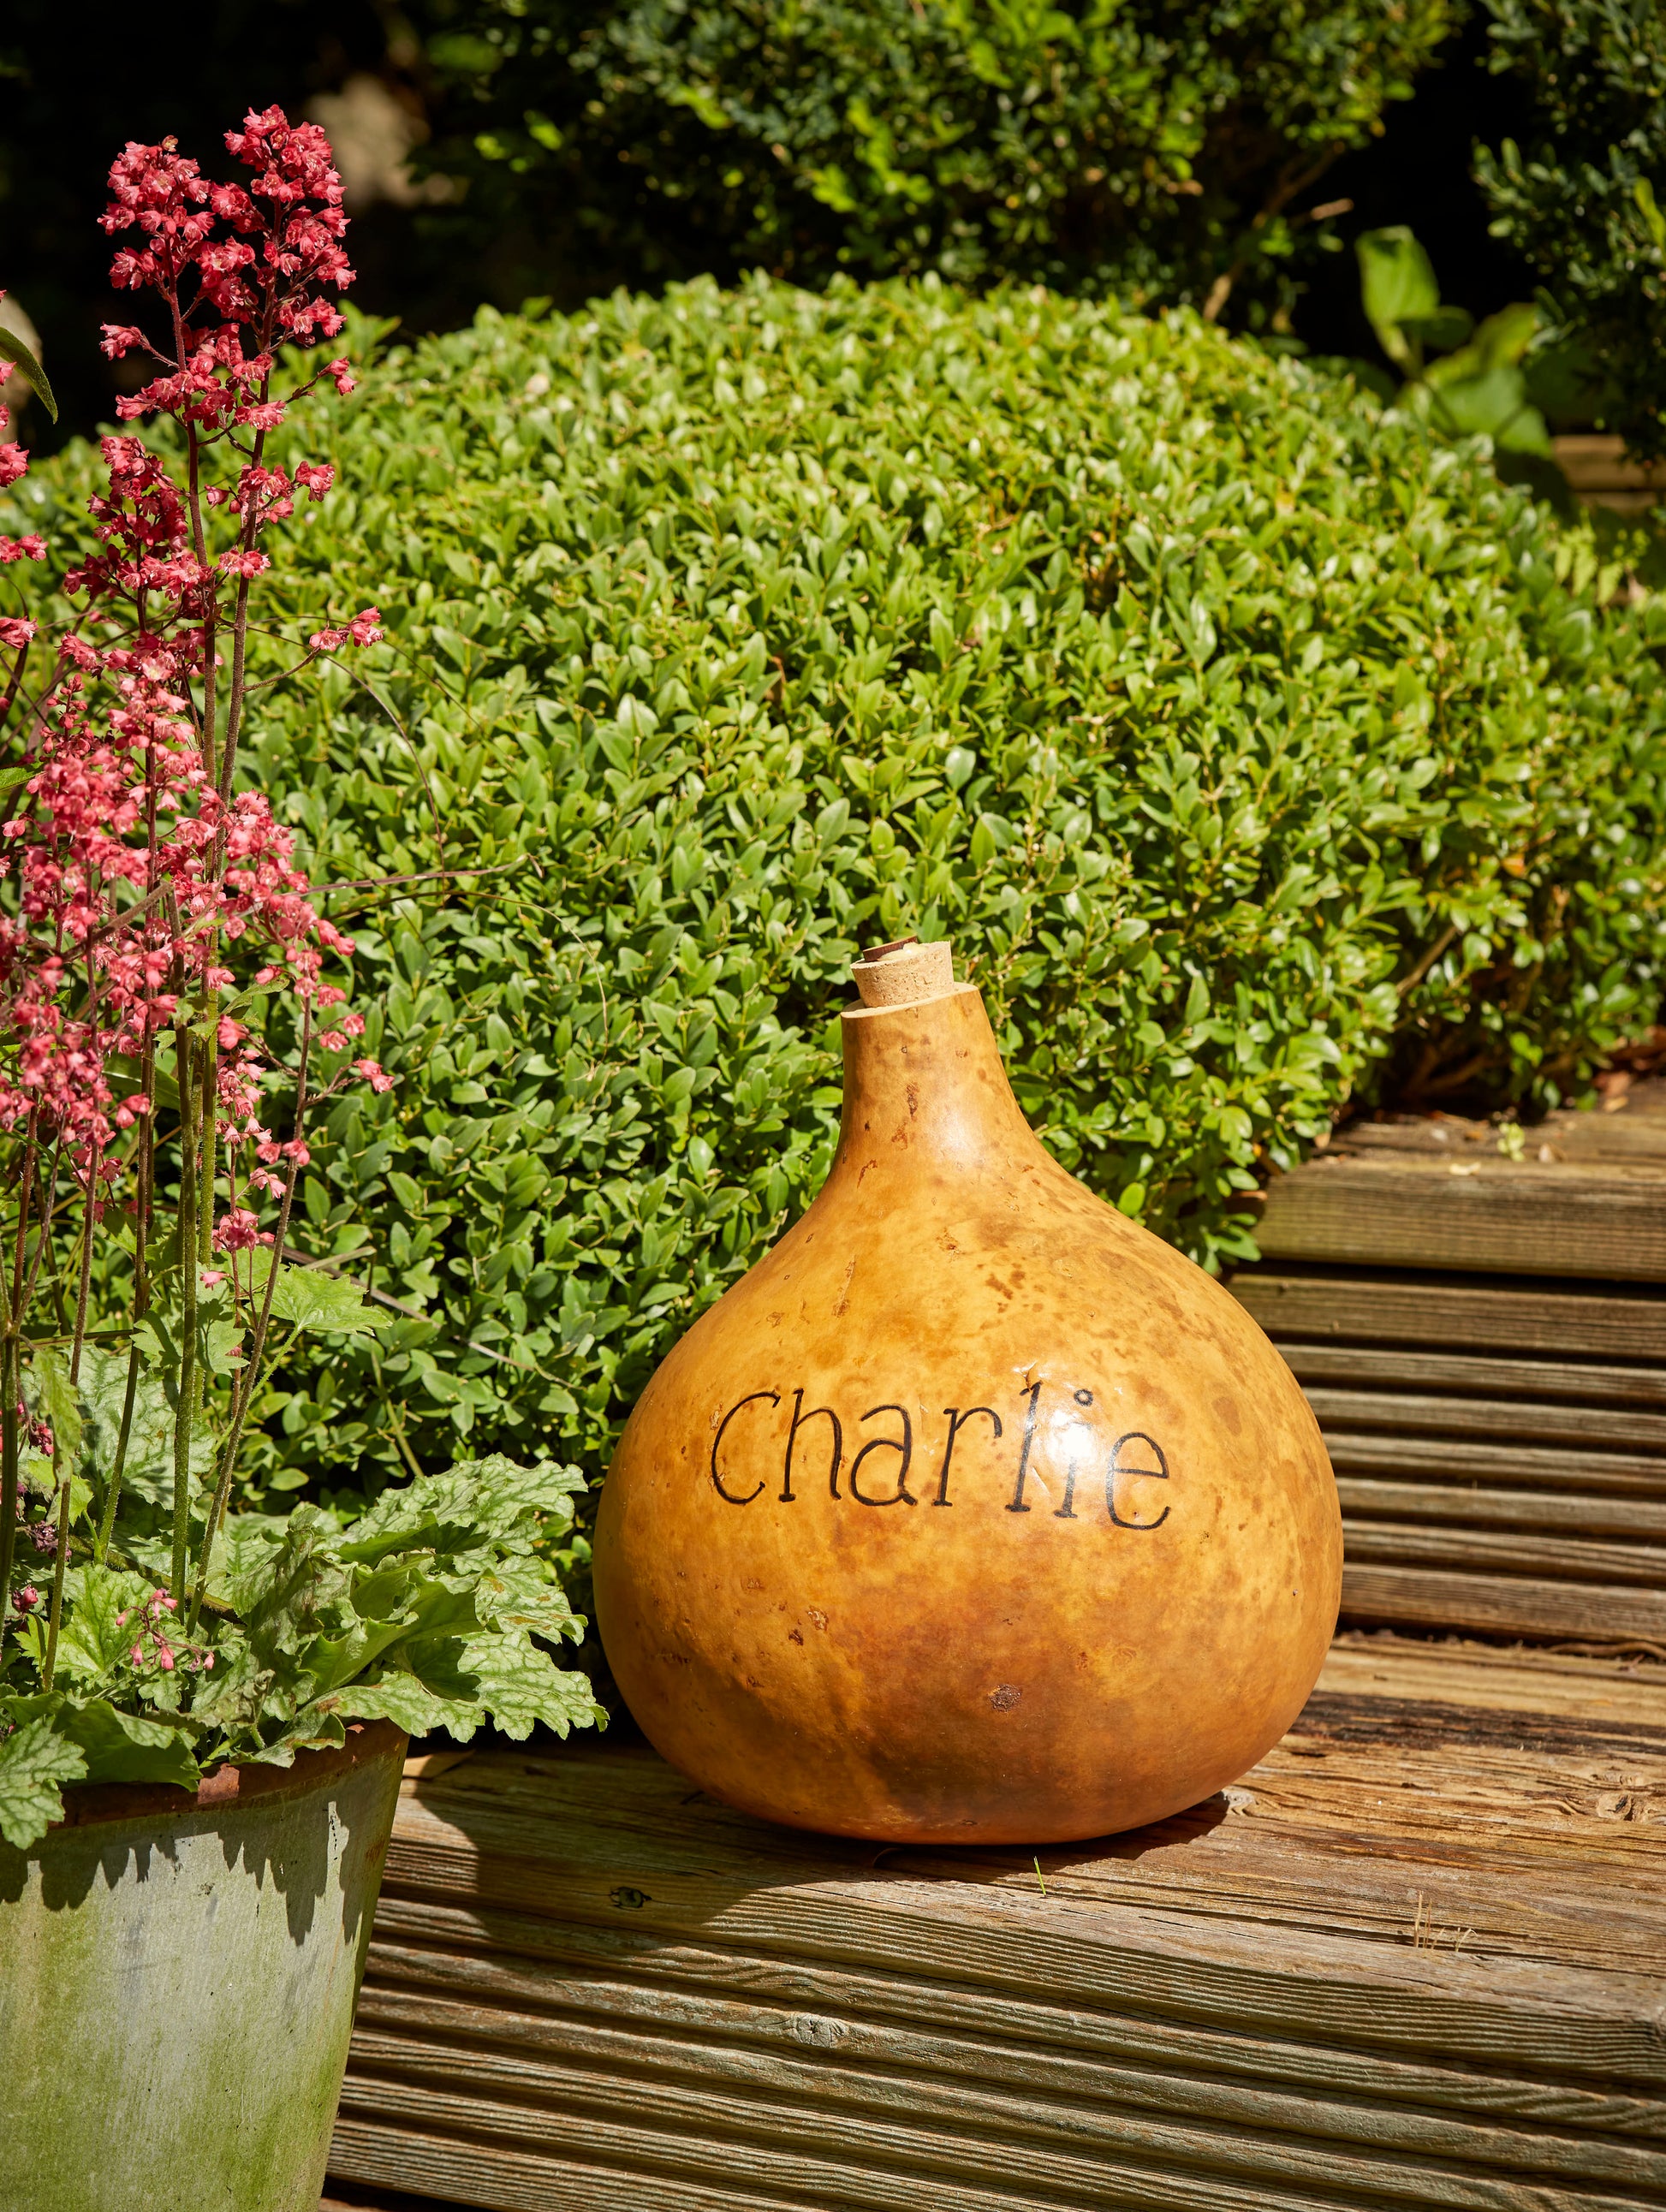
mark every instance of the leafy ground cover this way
{"type": "Point", "coordinates": [1252, 747]}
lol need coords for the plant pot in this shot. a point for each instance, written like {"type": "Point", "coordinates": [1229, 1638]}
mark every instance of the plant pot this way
{"type": "Point", "coordinates": [177, 1974]}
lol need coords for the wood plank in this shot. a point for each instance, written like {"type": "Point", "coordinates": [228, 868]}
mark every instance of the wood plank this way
{"type": "Point", "coordinates": [918, 2099]}
{"type": "Point", "coordinates": [517, 2179]}
{"type": "Point", "coordinates": [1612, 1139]}
{"type": "Point", "coordinates": [1465, 1505]}
{"type": "Point", "coordinates": [1370, 1308]}
{"type": "Point", "coordinates": [1503, 1605]}
{"type": "Point", "coordinates": [1510, 1467]}
{"type": "Point", "coordinates": [692, 2136]}
{"type": "Point", "coordinates": [1601, 1427]}
{"type": "Point", "coordinates": [1481, 1679]}
{"type": "Point", "coordinates": [1411, 1369]}
{"type": "Point", "coordinates": [818, 1999]}
{"type": "Point", "coordinates": [1617, 1139]}
{"type": "Point", "coordinates": [1214, 1966]}
{"type": "Point", "coordinates": [1485, 1216]}
{"type": "Point", "coordinates": [1641, 1567]}
{"type": "Point", "coordinates": [622, 2027]}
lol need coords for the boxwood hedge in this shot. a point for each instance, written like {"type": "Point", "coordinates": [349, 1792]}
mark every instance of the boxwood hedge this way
{"type": "Point", "coordinates": [1246, 743]}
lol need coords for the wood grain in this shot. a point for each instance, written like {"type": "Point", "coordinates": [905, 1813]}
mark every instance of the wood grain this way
{"type": "Point", "coordinates": [1467, 1375]}
{"type": "Point", "coordinates": [1492, 1217]}
{"type": "Point", "coordinates": [1597, 1427]}
{"type": "Point", "coordinates": [1466, 1505]}
{"type": "Point", "coordinates": [908, 2105]}
{"type": "Point", "coordinates": [1455, 1460]}
{"type": "Point", "coordinates": [1502, 1605]}
{"type": "Point", "coordinates": [421, 2004]}
{"type": "Point", "coordinates": [1509, 1551]}
{"type": "Point", "coordinates": [1612, 1139]}
{"type": "Point", "coordinates": [1374, 1309]}
{"type": "Point", "coordinates": [1480, 1678]}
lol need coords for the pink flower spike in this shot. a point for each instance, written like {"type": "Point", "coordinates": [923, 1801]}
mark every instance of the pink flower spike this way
{"type": "Point", "coordinates": [15, 631]}
{"type": "Point", "coordinates": [236, 1230]}
{"type": "Point", "coordinates": [373, 1074]}
{"type": "Point", "coordinates": [333, 1041]}
{"type": "Point", "coordinates": [211, 1278]}
{"type": "Point", "coordinates": [353, 1025]}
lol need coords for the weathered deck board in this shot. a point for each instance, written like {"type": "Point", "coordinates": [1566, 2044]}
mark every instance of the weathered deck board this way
{"type": "Point", "coordinates": [1601, 1428]}
{"type": "Point", "coordinates": [1416, 1960]}
{"type": "Point", "coordinates": [1365, 1305]}
{"type": "Point", "coordinates": [1453, 1398]}
{"type": "Point", "coordinates": [1376, 1368]}
{"type": "Point", "coordinates": [1485, 1216]}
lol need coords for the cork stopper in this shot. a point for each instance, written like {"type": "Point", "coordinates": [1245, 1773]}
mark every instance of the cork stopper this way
{"type": "Point", "coordinates": [905, 973]}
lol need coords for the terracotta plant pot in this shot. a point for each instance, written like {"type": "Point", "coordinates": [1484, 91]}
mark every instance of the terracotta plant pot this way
{"type": "Point", "coordinates": [975, 1513]}
{"type": "Point", "coordinates": [178, 1982]}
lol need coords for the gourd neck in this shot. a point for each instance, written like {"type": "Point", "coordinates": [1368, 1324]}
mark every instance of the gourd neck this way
{"type": "Point", "coordinates": [925, 1090]}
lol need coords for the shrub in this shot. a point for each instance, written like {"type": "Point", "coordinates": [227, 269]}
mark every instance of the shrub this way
{"type": "Point", "coordinates": [1578, 203]}
{"type": "Point", "coordinates": [1160, 150]}
{"type": "Point", "coordinates": [1242, 737]}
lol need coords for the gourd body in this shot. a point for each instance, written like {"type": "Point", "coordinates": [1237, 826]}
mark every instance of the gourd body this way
{"type": "Point", "coordinates": [974, 1513]}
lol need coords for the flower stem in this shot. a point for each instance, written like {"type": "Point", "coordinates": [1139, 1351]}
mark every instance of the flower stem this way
{"type": "Point", "coordinates": [107, 1521]}
{"type": "Point", "coordinates": [243, 1397]}
{"type": "Point", "coordinates": [185, 1408]}
{"type": "Point", "coordinates": [59, 1565]}
{"type": "Point", "coordinates": [10, 1383]}
{"type": "Point", "coordinates": [146, 1177]}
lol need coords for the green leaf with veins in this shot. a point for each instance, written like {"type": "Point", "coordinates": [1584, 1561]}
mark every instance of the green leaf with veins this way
{"type": "Point", "coordinates": [312, 1729]}
{"type": "Point", "coordinates": [485, 1501]}
{"type": "Point", "coordinates": [412, 1705]}
{"type": "Point", "coordinates": [501, 1676]}
{"type": "Point", "coordinates": [35, 1760]}
{"type": "Point", "coordinates": [122, 1747]}
{"type": "Point", "coordinates": [51, 1393]}
{"type": "Point", "coordinates": [97, 1630]}
{"type": "Point", "coordinates": [312, 1299]}
{"type": "Point", "coordinates": [527, 1593]}
{"type": "Point", "coordinates": [294, 1593]}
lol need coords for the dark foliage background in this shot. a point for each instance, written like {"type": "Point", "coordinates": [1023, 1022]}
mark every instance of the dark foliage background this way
{"type": "Point", "coordinates": [76, 82]}
{"type": "Point", "coordinates": [1574, 193]}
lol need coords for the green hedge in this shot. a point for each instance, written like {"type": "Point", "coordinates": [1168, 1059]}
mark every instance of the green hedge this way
{"type": "Point", "coordinates": [1145, 146]}
{"type": "Point", "coordinates": [1240, 736]}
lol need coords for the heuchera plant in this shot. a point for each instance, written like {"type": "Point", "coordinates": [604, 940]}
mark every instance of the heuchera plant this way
{"type": "Point", "coordinates": [156, 924]}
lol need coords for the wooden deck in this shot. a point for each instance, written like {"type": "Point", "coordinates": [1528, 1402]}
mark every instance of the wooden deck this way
{"type": "Point", "coordinates": [1417, 1957]}
{"type": "Point", "coordinates": [1484, 1341]}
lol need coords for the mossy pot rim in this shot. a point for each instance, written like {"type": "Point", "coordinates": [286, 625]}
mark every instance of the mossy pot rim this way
{"type": "Point", "coordinates": [227, 1789]}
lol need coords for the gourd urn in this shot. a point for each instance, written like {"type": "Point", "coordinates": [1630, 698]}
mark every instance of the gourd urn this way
{"type": "Point", "coordinates": [975, 1513]}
